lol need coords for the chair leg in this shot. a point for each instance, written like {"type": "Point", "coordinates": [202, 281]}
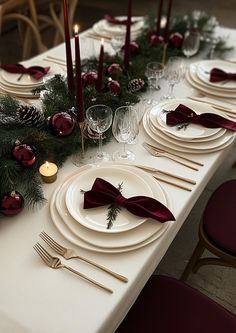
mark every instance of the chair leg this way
{"type": "Point", "coordinates": [197, 253]}
{"type": "Point", "coordinates": [210, 261]}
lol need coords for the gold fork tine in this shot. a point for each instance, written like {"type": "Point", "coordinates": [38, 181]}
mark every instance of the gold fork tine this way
{"type": "Point", "coordinates": [51, 242]}
{"type": "Point", "coordinates": [41, 252]}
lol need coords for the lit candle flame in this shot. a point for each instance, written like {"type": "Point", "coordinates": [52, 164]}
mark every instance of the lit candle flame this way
{"type": "Point", "coordinates": [102, 41]}
{"type": "Point", "coordinates": [76, 29]}
{"type": "Point", "coordinates": [47, 165]}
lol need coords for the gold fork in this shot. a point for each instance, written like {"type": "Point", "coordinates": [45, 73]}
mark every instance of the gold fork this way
{"type": "Point", "coordinates": [69, 254]}
{"type": "Point", "coordinates": [55, 262]}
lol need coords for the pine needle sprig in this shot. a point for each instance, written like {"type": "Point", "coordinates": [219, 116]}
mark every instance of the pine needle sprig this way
{"type": "Point", "coordinates": [113, 211]}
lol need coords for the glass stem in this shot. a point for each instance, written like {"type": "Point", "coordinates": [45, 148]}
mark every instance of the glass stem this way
{"type": "Point", "coordinates": [100, 144]}
{"type": "Point", "coordinates": [171, 89]}
{"type": "Point", "coordinates": [124, 153]}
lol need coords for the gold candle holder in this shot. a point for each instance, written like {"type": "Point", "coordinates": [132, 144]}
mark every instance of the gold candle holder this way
{"type": "Point", "coordinates": [81, 126]}
{"type": "Point", "coordinates": [164, 54]}
{"type": "Point", "coordinates": [48, 172]}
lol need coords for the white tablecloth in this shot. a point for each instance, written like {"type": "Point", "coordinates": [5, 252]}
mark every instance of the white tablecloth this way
{"type": "Point", "coordinates": [36, 299]}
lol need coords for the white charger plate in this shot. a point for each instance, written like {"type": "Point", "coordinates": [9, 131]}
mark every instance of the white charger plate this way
{"type": "Point", "coordinates": [96, 218]}
{"type": "Point", "coordinates": [163, 140]}
{"type": "Point", "coordinates": [117, 240]}
{"type": "Point", "coordinates": [27, 81]}
{"type": "Point", "coordinates": [204, 68]}
{"type": "Point", "coordinates": [192, 131]}
{"type": "Point", "coordinates": [76, 240]}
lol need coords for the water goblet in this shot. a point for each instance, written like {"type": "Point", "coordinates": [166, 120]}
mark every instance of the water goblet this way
{"type": "Point", "coordinates": [125, 129]}
{"type": "Point", "coordinates": [174, 72]}
{"type": "Point", "coordinates": [191, 43]}
{"type": "Point", "coordinates": [99, 118]}
{"type": "Point", "coordinates": [154, 72]}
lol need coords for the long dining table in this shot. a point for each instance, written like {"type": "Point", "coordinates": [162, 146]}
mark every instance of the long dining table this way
{"type": "Point", "coordinates": [36, 299]}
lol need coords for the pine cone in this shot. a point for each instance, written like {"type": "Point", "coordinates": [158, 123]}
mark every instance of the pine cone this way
{"type": "Point", "coordinates": [30, 116]}
{"type": "Point", "coordinates": [136, 85]}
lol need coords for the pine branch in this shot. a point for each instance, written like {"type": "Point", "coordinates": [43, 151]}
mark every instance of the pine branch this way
{"type": "Point", "coordinates": [113, 211]}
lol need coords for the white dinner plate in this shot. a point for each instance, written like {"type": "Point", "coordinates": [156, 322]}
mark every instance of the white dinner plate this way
{"type": "Point", "coordinates": [163, 140]}
{"type": "Point", "coordinates": [192, 131]}
{"type": "Point", "coordinates": [76, 240]}
{"type": "Point", "coordinates": [204, 68]}
{"type": "Point", "coordinates": [116, 240]}
{"type": "Point", "coordinates": [26, 80]}
{"type": "Point", "coordinates": [96, 218]}
{"type": "Point", "coordinates": [196, 83]}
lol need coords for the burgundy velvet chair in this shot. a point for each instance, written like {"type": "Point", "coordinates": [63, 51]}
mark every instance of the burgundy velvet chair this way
{"type": "Point", "coordinates": [167, 305]}
{"type": "Point", "coordinates": [217, 231]}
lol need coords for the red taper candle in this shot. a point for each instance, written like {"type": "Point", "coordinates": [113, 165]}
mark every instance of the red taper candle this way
{"type": "Point", "coordinates": [159, 18]}
{"type": "Point", "coordinates": [79, 86]}
{"type": "Point", "coordinates": [127, 38]}
{"type": "Point", "coordinates": [100, 67]}
{"type": "Point", "coordinates": [69, 64]}
{"type": "Point", "coordinates": [166, 37]}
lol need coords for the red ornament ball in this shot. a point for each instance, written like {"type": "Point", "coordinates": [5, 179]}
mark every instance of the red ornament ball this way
{"type": "Point", "coordinates": [134, 47]}
{"type": "Point", "coordinates": [156, 40]}
{"type": "Point", "coordinates": [114, 69]}
{"type": "Point", "coordinates": [176, 40]}
{"type": "Point", "coordinates": [114, 87]}
{"type": "Point", "coordinates": [89, 78]}
{"type": "Point", "coordinates": [11, 203]}
{"type": "Point", "coordinates": [62, 124]}
{"type": "Point", "coordinates": [24, 154]}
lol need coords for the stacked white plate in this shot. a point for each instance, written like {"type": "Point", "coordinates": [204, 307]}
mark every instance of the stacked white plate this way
{"type": "Point", "coordinates": [193, 138]}
{"type": "Point", "coordinates": [87, 228]}
{"type": "Point", "coordinates": [199, 77]}
{"type": "Point", "coordinates": [10, 83]}
{"type": "Point", "coordinates": [105, 29]}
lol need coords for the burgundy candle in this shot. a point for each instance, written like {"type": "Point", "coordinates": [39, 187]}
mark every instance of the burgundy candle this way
{"type": "Point", "coordinates": [79, 87]}
{"type": "Point", "coordinates": [159, 17]}
{"type": "Point", "coordinates": [127, 38]}
{"type": "Point", "coordinates": [69, 65]}
{"type": "Point", "coordinates": [100, 67]}
{"type": "Point", "coordinates": [168, 22]}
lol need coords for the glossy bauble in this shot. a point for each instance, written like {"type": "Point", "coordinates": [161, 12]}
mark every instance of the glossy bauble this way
{"type": "Point", "coordinates": [114, 87]}
{"type": "Point", "coordinates": [11, 203]}
{"type": "Point", "coordinates": [89, 78]}
{"type": "Point", "coordinates": [24, 154]}
{"type": "Point", "coordinates": [62, 124]}
{"type": "Point", "coordinates": [114, 69]}
{"type": "Point", "coordinates": [156, 40]}
{"type": "Point", "coordinates": [176, 40]}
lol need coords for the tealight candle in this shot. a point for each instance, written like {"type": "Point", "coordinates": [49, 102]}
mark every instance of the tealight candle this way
{"type": "Point", "coordinates": [48, 172]}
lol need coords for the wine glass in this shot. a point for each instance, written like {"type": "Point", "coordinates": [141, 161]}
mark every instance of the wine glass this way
{"type": "Point", "coordinates": [154, 72]}
{"type": "Point", "coordinates": [174, 72]}
{"type": "Point", "coordinates": [125, 129]}
{"type": "Point", "coordinates": [99, 118]}
{"type": "Point", "coordinates": [191, 43]}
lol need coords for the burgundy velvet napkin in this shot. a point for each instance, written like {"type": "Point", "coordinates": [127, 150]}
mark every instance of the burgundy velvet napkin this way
{"type": "Point", "coordinates": [183, 114]}
{"type": "Point", "coordinates": [112, 20]}
{"type": "Point", "coordinates": [218, 75]}
{"type": "Point", "coordinates": [37, 72]}
{"type": "Point", "coordinates": [103, 193]}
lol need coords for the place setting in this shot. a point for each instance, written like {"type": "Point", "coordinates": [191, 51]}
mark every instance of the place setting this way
{"type": "Point", "coordinates": [116, 224]}
{"type": "Point", "coordinates": [189, 126]}
{"type": "Point", "coordinates": [20, 79]}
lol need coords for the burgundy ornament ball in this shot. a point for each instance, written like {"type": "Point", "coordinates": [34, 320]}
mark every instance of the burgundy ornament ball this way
{"type": "Point", "coordinates": [11, 203]}
{"type": "Point", "coordinates": [134, 47]}
{"type": "Point", "coordinates": [114, 69]}
{"type": "Point", "coordinates": [114, 87]}
{"type": "Point", "coordinates": [156, 40]}
{"type": "Point", "coordinates": [62, 124]}
{"type": "Point", "coordinates": [24, 154]}
{"type": "Point", "coordinates": [176, 40]}
{"type": "Point", "coordinates": [89, 78]}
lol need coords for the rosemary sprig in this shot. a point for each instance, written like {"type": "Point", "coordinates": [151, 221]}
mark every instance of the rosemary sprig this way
{"type": "Point", "coordinates": [113, 211]}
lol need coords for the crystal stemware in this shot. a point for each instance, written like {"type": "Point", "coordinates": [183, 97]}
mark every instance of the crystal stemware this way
{"type": "Point", "coordinates": [125, 129]}
{"type": "Point", "coordinates": [174, 72]}
{"type": "Point", "coordinates": [191, 43]}
{"type": "Point", "coordinates": [99, 118]}
{"type": "Point", "coordinates": [154, 72]}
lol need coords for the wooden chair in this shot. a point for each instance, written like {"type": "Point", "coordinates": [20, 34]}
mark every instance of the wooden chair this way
{"type": "Point", "coordinates": [217, 231]}
{"type": "Point", "coordinates": [168, 305]}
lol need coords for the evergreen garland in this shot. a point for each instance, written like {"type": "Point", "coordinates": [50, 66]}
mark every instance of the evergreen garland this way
{"type": "Point", "coordinates": [55, 97]}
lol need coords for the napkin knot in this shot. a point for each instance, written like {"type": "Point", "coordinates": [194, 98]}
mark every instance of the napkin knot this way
{"type": "Point", "coordinates": [36, 72]}
{"type": "Point", "coordinates": [183, 114]}
{"type": "Point", "coordinates": [218, 75]}
{"type": "Point", "coordinates": [103, 193]}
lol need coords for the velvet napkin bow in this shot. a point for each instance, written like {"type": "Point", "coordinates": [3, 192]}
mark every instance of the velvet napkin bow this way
{"type": "Point", "coordinates": [103, 193]}
{"type": "Point", "coordinates": [37, 72]}
{"type": "Point", "coordinates": [218, 75]}
{"type": "Point", "coordinates": [183, 114]}
{"type": "Point", "coordinates": [112, 20]}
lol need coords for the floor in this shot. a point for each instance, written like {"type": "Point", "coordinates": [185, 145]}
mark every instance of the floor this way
{"type": "Point", "coordinates": [218, 282]}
